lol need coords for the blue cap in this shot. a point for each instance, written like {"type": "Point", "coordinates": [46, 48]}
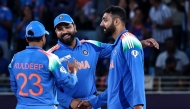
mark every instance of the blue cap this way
{"type": "Point", "coordinates": [37, 28]}
{"type": "Point", "coordinates": [63, 18]}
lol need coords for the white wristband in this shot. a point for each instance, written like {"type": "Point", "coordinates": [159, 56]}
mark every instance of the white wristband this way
{"type": "Point", "coordinates": [75, 71]}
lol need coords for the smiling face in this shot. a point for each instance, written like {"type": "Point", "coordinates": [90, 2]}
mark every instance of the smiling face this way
{"type": "Point", "coordinates": [65, 33]}
{"type": "Point", "coordinates": [108, 24]}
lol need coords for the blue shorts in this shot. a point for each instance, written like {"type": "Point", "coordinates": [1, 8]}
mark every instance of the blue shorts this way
{"type": "Point", "coordinates": [36, 107]}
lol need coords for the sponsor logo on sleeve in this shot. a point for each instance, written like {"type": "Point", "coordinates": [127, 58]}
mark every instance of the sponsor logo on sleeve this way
{"type": "Point", "coordinates": [67, 57]}
{"type": "Point", "coordinates": [63, 70]}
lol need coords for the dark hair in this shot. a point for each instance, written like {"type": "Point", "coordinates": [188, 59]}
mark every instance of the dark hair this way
{"type": "Point", "coordinates": [169, 39]}
{"type": "Point", "coordinates": [117, 11]}
{"type": "Point", "coordinates": [36, 39]}
{"type": "Point", "coordinates": [33, 39]}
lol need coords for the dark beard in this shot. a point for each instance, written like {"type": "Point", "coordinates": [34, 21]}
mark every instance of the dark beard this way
{"type": "Point", "coordinates": [68, 41]}
{"type": "Point", "coordinates": [110, 30]}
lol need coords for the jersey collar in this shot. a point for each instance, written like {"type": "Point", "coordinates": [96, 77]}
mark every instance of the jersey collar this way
{"type": "Point", "coordinates": [33, 47]}
{"type": "Point", "coordinates": [118, 37]}
{"type": "Point", "coordinates": [78, 43]}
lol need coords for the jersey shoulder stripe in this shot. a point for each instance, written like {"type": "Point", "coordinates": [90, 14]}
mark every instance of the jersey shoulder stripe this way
{"type": "Point", "coordinates": [54, 48]}
{"type": "Point", "coordinates": [96, 43]}
{"type": "Point", "coordinates": [130, 41]}
{"type": "Point", "coordinates": [53, 60]}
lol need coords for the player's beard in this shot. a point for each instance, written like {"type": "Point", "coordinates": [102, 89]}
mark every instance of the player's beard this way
{"type": "Point", "coordinates": [110, 30]}
{"type": "Point", "coordinates": [69, 40]}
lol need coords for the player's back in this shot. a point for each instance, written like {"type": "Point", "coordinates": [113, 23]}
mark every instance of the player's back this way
{"type": "Point", "coordinates": [35, 83]}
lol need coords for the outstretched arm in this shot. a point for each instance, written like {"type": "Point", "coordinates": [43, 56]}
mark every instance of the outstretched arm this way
{"type": "Point", "coordinates": [150, 43]}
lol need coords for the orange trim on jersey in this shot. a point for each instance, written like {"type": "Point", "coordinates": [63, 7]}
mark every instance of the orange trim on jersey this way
{"type": "Point", "coordinates": [53, 48]}
{"type": "Point", "coordinates": [46, 53]}
{"type": "Point", "coordinates": [126, 34]}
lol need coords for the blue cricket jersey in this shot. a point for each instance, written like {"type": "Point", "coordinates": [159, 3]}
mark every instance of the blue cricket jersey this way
{"type": "Point", "coordinates": [33, 73]}
{"type": "Point", "coordinates": [126, 75]}
{"type": "Point", "coordinates": [87, 55]}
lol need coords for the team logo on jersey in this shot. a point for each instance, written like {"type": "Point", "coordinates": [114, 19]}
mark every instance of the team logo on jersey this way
{"type": "Point", "coordinates": [62, 70]}
{"type": "Point", "coordinates": [60, 17]}
{"type": "Point", "coordinates": [135, 53]}
{"type": "Point", "coordinates": [85, 52]}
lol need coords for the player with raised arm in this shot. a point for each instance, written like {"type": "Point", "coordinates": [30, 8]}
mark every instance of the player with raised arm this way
{"type": "Point", "coordinates": [126, 73]}
{"type": "Point", "coordinates": [86, 54]}
{"type": "Point", "coordinates": [34, 72]}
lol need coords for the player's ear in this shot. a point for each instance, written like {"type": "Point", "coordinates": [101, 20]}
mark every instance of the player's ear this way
{"type": "Point", "coordinates": [43, 38]}
{"type": "Point", "coordinates": [75, 28]}
{"type": "Point", "coordinates": [117, 21]}
{"type": "Point", "coordinates": [26, 38]}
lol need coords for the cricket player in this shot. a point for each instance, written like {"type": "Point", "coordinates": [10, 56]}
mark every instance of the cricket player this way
{"type": "Point", "coordinates": [86, 54]}
{"type": "Point", "coordinates": [126, 73]}
{"type": "Point", "coordinates": [34, 72]}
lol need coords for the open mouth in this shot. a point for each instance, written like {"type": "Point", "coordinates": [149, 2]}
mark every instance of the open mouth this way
{"type": "Point", "coordinates": [67, 36]}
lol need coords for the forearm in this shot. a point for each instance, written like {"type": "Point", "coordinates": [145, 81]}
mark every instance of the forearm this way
{"type": "Point", "coordinates": [69, 82]}
{"type": "Point", "coordinates": [99, 100]}
{"type": "Point", "coordinates": [64, 99]}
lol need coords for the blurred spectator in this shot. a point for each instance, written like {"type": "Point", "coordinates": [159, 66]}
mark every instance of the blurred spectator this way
{"type": "Point", "coordinates": [37, 5]}
{"type": "Point", "coordinates": [4, 2]}
{"type": "Point", "coordinates": [132, 5]}
{"type": "Point", "coordinates": [98, 7]}
{"type": "Point", "coordinates": [170, 69]}
{"type": "Point", "coordinates": [62, 6]}
{"type": "Point", "coordinates": [4, 84]}
{"type": "Point", "coordinates": [83, 16]}
{"type": "Point", "coordinates": [160, 16]}
{"type": "Point", "coordinates": [145, 7]}
{"type": "Point", "coordinates": [124, 4]}
{"type": "Point", "coordinates": [169, 81]}
{"type": "Point", "coordinates": [5, 29]}
{"type": "Point", "coordinates": [3, 64]}
{"type": "Point", "coordinates": [142, 30]}
{"type": "Point", "coordinates": [179, 27]}
{"type": "Point", "coordinates": [171, 50]}
{"type": "Point", "coordinates": [20, 27]}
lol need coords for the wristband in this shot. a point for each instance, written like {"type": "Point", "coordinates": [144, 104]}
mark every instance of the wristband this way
{"type": "Point", "coordinates": [75, 71]}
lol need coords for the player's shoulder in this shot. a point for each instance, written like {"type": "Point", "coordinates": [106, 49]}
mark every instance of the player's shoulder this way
{"type": "Point", "coordinates": [54, 48]}
{"type": "Point", "coordinates": [49, 54]}
{"type": "Point", "coordinates": [91, 42]}
{"type": "Point", "coordinates": [129, 41]}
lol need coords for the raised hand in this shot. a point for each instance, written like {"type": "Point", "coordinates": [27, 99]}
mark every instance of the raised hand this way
{"type": "Point", "coordinates": [150, 43]}
{"type": "Point", "coordinates": [73, 67]}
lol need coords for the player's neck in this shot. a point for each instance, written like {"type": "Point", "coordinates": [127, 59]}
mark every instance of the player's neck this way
{"type": "Point", "coordinates": [118, 31]}
{"type": "Point", "coordinates": [35, 44]}
{"type": "Point", "coordinates": [74, 43]}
